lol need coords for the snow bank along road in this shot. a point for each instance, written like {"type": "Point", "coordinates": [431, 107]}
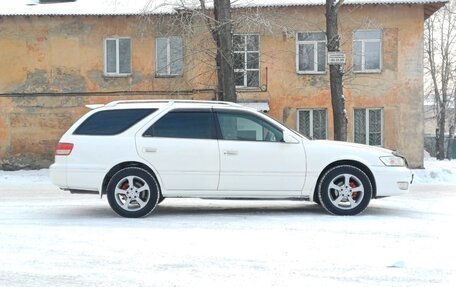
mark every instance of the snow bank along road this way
{"type": "Point", "coordinates": [51, 238]}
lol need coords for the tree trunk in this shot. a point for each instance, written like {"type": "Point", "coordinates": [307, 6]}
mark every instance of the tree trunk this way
{"type": "Point", "coordinates": [218, 62]}
{"type": "Point", "coordinates": [225, 71]}
{"type": "Point", "coordinates": [336, 72]}
{"type": "Point", "coordinates": [441, 137]}
{"type": "Point", "coordinates": [450, 144]}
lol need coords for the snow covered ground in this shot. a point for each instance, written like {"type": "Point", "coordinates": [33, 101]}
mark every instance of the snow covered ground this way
{"type": "Point", "coordinates": [436, 172]}
{"type": "Point", "coordinates": [52, 238]}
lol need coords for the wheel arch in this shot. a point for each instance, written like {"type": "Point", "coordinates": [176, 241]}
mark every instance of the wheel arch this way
{"type": "Point", "coordinates": [354, 163]}
{"type": "Point", "coordinates": [123, 165]}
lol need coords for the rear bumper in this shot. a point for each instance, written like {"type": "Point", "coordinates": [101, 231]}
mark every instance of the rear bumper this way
{"type": "Point", "coordinates": [79, 179]}
{"type": "Point", "coordinates": [58, 175]}
{"type": "Point", "coordinates": [392, 180]}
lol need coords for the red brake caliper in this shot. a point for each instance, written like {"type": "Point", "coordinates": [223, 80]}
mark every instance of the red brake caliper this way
{"type": "Point", "coordinates": [353, 185]}
{"type": "Point", "coordinates": [125, 186]}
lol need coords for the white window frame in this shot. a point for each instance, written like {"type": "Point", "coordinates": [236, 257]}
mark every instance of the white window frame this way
{"type": "Point", "coordinates": [315, 43]}
{"type": "Point", "coordinates": [245, 52]}
{"type": "Point", "coordinates": [311, 120]}
{"type": "Point", "coordinates": [168, 58]}
{"type": "Point", "coordinates": [117, 73]}
{"type": "Point", "coordinates": [367, 124]}
{"type": "Point", "coordinates": [363, 53]}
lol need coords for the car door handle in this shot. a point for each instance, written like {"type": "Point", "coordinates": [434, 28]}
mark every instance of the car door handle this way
{"type": "Point", "coordinates": [230, 152]}
{"type": "Point", "coordinates": [150, 149]}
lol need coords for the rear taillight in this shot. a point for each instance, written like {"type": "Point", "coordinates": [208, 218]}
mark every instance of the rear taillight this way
{"type": "Point", "coordinates": [64, 149]}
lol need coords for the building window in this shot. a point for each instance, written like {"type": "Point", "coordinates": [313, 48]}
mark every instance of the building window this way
{"type": "Point", "coordinates": [312, 123]}
{"type": "Point", "coordinates": [311, 53]}
{"type": "Point", "coordinates": [367, 51]}
{"type": "Point", "coordinates": [117, 56]}
{"type": "Point", "coordinates": [169, 56]}
{"type": "Point", "coordinates": [369, 126]}
{"type": "Point", "coordinates": [246, 60]}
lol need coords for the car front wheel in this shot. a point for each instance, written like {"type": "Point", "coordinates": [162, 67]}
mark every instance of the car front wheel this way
{"type": "Point", "coordinates": [133, 192]}
{"type": "Point", "coordinates": [345, 190]}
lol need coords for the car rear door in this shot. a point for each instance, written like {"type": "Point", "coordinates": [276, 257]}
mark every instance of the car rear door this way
{"type": "Point", "coordinates": [182, 147]}
{"type": "Point", "coordinates": [254, 159]}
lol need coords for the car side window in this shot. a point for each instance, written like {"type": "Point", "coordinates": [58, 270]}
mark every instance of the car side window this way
{"type": "Point", "coordinates": [112, 122]}
{"type": "Point", "coordinates": [184, 124]}
{"type": "Point", "coordinates": [247, 127]}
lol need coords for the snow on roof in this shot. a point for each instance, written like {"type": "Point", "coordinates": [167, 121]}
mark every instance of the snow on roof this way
{"type": "Point", "coordinates": [136, 7]}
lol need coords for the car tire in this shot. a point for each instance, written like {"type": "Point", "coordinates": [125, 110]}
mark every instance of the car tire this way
{"type": "Point", "coordinates": [345, 190]}
{"type": "Point", "coordinates": [133, 192]}
{"type": "Point", "coordinates": [317, 200]}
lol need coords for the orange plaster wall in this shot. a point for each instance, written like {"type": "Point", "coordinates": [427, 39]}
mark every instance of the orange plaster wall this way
{"type": "Point", "coordinates": [54, 55]}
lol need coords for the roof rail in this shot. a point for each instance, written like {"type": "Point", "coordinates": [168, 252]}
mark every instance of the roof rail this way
{"type": "Point", "coordinates": [95, 106]}
{"type": "Point", "coordinates": [171, 102]}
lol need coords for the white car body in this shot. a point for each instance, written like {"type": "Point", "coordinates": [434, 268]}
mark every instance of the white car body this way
{"type": "Point", "coordinates": [215, 168]}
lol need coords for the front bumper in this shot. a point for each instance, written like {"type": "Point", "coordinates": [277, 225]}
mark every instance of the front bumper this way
{"type": "Point", "coordinates": [392, 180]}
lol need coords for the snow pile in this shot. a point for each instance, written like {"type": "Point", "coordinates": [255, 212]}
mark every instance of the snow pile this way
{"type": "Point", "coordinates": [436, 172]}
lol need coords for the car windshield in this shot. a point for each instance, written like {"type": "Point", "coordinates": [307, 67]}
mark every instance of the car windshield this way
{"type": "Point", "coordinates": [296, 132]}
{"type": "Point", "coordinates": [300, 134]}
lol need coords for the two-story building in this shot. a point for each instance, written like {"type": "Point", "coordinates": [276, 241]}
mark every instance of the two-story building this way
{"type": "Point", "coordinates": [56, 58]}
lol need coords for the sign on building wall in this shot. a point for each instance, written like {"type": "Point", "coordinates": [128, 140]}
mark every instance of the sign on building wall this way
{"type": "Point", "coordinates": [336, 58]}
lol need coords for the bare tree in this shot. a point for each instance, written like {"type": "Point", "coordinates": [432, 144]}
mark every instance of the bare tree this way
{"type": "Point", "coordinates": [440, 56]}
{"type": "Point", "coordinates": [218, 22]}
{"type": "Point", "coordinates": [450, 143]}
{"type": "Point", "coordinates": [336, 71]}
{"type": "Point", "coordinates": [185, 17]}
{"type": "Point", "coordinates": [452, 123]}
{"type": "Point", "coordinates": [221, 31]}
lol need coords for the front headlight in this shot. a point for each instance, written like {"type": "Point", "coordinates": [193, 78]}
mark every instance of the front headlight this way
{"type": "Point", "coordinates": [393, 160]}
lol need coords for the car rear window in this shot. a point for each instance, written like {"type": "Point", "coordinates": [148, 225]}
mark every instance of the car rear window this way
{"type": "Point", "coordinates": [112, 122]}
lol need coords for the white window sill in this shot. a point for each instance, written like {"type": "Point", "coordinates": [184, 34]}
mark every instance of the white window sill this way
{"type": "Point", "coordinates": [368, 72]}
{"type": "Point", "coordinates": [117, 75]}
{"type": "Point", "coordinates": [168, 75]}
{"type": "Point", "coordinates": [310, 73]}
{"type": "Point", "coordinates": [248, 89]}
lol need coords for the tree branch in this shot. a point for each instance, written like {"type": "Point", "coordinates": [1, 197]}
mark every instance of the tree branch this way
{"type": "Point", "coordinates": [210, 27]}
{"type": "Point", "coordinates": [338, 4]}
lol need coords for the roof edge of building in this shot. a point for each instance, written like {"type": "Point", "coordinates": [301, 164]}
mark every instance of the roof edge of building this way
{"type": "Point", "coordinates": [432, 6]}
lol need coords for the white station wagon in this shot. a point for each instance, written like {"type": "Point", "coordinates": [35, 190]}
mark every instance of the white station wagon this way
{"type": "Point", "coordinates": [140, 152]}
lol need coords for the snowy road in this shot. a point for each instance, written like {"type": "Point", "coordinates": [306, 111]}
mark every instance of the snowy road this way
{"type": "Point", "coordinates": [52, 238]}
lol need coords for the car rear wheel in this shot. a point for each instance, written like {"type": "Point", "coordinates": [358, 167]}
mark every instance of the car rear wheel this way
{"type": "Point", "coordinates": [133, 192]}
{"type": "Point", "coordinates": [345, 190]}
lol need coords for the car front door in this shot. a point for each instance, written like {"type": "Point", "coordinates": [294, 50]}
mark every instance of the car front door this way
{"type": "Point", "coordinates": [254, 159]}
{"type": "Point", "coordinates": [183, 148]}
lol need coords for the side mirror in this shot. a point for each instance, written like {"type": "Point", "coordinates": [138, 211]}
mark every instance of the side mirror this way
{"type": "Point", "coordinates": [288, 137]}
